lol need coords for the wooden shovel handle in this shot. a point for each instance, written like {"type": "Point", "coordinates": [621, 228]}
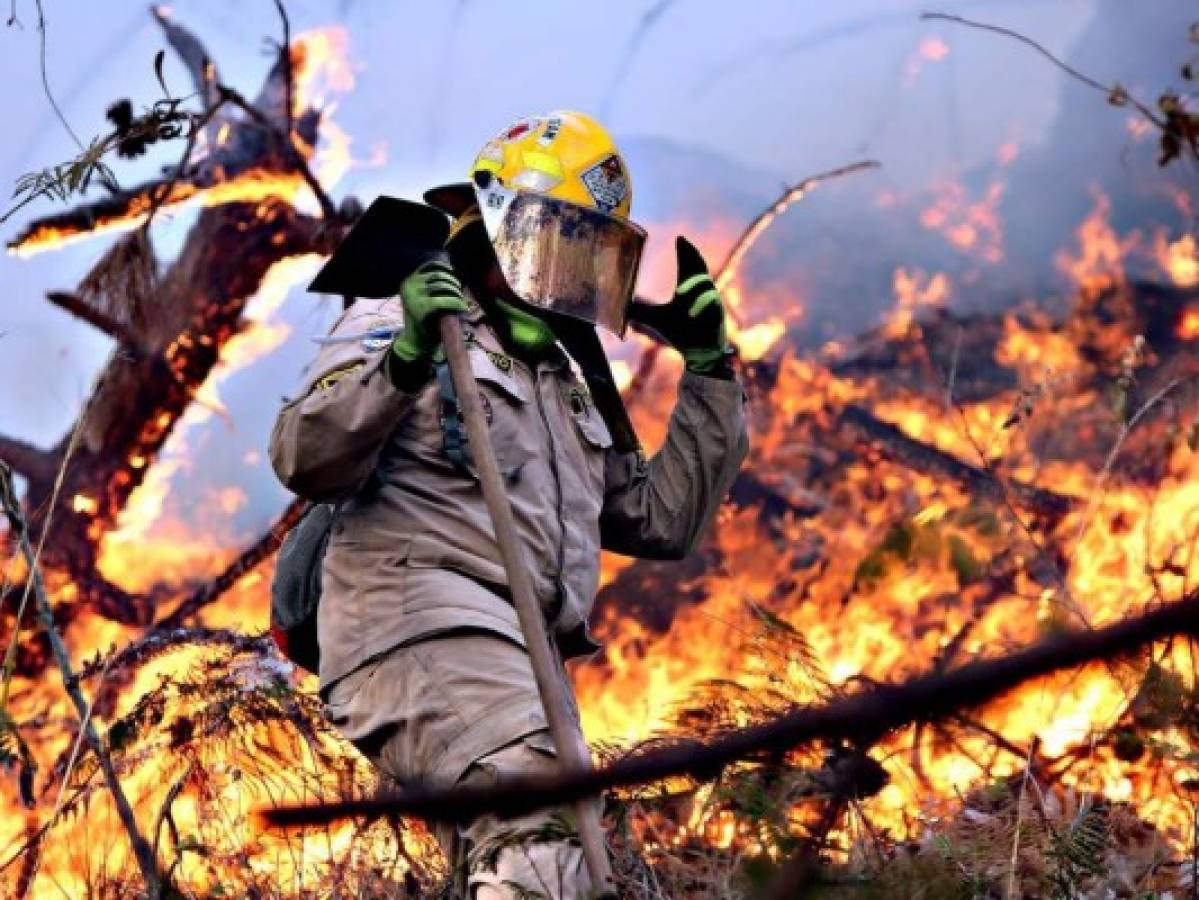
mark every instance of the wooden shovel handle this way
{"type": "Point", "coordinates": [568, 740]}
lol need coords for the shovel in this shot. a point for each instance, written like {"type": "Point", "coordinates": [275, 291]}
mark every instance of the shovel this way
{"type": "Point", "coordinates": [391, 239]}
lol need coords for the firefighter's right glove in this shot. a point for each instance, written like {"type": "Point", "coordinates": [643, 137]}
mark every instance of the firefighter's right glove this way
{"type": "Point", "coordinates": [693, 321]}
{"type": "Point", "coordinates": [426, 294]}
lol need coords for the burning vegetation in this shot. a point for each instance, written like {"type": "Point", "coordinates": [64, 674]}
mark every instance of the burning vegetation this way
{"type": "Point", "coordinates": [945, 488]}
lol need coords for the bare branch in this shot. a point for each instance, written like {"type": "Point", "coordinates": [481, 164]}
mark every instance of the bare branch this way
{"type": "Point", "coordinates": [41, 30]}
{"type": "Point", "coordinates": [288, 77]}
{"type": "Point", "coordinates": [860, 718]}
{"type": "Point", "coordinates": [80, 309]}
{"type": "Point", "coordinates": [790, 196]}
{"type": "Point", "coordinates": [26, 459]}
{"type": "Point", "coordinates": [246, 560]}
{"type": "Point", "coordinates": [1111, 91]}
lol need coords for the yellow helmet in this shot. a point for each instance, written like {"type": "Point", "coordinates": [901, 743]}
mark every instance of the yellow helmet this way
{"type": "Point", "coordinates": [565, 154]}
{"type": "Point", "coordinates": [554, 195]}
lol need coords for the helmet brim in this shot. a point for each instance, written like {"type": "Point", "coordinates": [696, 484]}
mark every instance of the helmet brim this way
{"type": "Point", "coordinates": [454, 199]}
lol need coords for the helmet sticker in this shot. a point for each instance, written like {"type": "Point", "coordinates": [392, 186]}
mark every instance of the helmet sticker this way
{"type": "Point", "coordinates": [607, 183]}
{"type": "Point", "coordinates": [518, 130]}
{"type": "Point", "coordinates": [552, 126]}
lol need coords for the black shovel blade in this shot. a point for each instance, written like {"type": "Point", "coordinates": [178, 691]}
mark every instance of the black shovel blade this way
{"type": "Point", "coordinates": [384, 247]}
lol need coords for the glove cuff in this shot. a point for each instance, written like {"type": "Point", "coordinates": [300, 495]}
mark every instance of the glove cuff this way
{"type": "Point", "coordinates": [407, 368]}
{"type": "Point", "coordinates": [711, 362]}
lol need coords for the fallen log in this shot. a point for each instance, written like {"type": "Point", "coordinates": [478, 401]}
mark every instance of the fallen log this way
{"type": "Point", "coordinates": [925, 458]}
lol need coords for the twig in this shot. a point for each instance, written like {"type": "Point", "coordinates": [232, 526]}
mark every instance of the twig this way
{"type": "Point", "coordinates": [287, 74]}
{"type": "Point", "coordinates": [1100, 489]}
{"type": "Point", "coordinates": [790, 196]}
{"type": "Point", "coordinates": [141, 848]}
{"type": "Point", "coordinates": [41, 29]}
{"type": "Point", "coordinates": [69, 768]}
{"type": "Point", "coordinates": [632, 47]}
{"type": "Point", "coordinates": [328, 210]}
{"type": "Point", "coordinates": [863, 717]}
{"type": "Point", "coordinates": [164, 811]}
{"type": "Point", "coordinates": [1110, 90]}
{"type": "Point", "coordinates": [744, 243]}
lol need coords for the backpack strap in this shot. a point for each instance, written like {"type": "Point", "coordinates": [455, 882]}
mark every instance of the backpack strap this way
{"type": "Point", "coordinates": [453, 434]}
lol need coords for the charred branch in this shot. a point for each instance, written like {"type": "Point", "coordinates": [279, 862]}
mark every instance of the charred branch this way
{"type": "Point", "coordinates": [139, 398]}
{"type": "Point", "coordinates": [860, 718]}
{"type": "Point", "coordinates": [246, 561]}
{"type": "Point", "coordinates": [80, 309]}
{"type": "Point", "coordinates": [27, 460]}
{"type": "Point", "coordinates": [197, 307]}
{"type": "Point", "coordinates": [192, 53]}
{"type": "Point", "coordinates": [924, 458]}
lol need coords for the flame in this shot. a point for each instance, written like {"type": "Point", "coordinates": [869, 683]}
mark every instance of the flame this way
{"type": "Point", "coordinates": [896, 617]}
{"type": "Point", "coordinates": [1188, 324]}
{"type": "Point", "coordinates": [912, 291]}
{"type": "Point", "coordinates": [149, 544]}
{"type": "Point", "coordinates": [1099, 263]}
{"type": "Point", "coordinates": [969, 226]}
{"type": "Point", "coordinates": [929, 50]}
{"type": "Point", "coordinates": [1178, 259]}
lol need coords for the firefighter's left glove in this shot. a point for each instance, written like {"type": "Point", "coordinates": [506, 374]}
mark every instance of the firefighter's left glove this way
{"type": "Point", "coordinates": [693, 321]}
{"type": "Point", "coordinates": [426, 294]}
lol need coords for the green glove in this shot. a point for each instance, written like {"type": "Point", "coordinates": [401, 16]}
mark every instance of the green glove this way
{"type": "Point", "coordinates": [531, 336]}
{"type": "Point", "coordinates": [427, 293]}
{"type": "Point", "coordinates": [693, 321]}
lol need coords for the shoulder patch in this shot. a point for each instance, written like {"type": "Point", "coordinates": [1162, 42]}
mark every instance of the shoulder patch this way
{"type": "Point", "coordinates": [330, 379]}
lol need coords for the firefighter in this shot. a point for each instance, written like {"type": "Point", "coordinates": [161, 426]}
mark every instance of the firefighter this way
{"type": "Point", "coordinates": [422, 664]}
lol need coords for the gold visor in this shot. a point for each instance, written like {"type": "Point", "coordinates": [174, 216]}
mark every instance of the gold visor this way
{"type": "Point", "coordinates": [568, 259]}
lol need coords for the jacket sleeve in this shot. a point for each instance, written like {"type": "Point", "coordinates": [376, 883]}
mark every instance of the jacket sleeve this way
{"type": "Point", "coordinates": [326, 442]}
{"type": "Point", "coordinates": [661, 508]}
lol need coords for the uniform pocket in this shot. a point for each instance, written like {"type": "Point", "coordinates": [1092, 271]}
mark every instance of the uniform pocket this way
{"type": "Point", "coordinates": [590, 424]}
{"type": "Point", "coordinates": [506, 404]}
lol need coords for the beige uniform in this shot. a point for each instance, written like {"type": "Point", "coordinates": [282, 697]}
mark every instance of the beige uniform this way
{"type": "Point", "coordinates": [422, 659]}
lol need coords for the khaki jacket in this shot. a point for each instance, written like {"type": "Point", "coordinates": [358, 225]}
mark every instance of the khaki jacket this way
{"type": "Point", "coordinates": [413, 553]}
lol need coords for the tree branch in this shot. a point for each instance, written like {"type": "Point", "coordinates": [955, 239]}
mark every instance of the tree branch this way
{"type": "Point", "coordinates": [1112, 91]}
{"type": "Point", "coordinates": [287, 73]}
{"type": "Point", "coordinates": [72, 303]}
{"type": "Point", "coordinates": [26, 459]}
{"type": "Point", "coordinates": [928, 459]}
{"type": "Point", "coordinates": [860, 718]}
{"type": "Point", "coordinates": [732, 261]}
{"type": "Point", "coordinates": [246, 560]}
{"type": "Point", "coordinates": [328, 210]}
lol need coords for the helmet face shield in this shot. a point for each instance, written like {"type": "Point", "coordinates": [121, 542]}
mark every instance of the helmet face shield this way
{"type": "Point", "coordinates": [564, 258]}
